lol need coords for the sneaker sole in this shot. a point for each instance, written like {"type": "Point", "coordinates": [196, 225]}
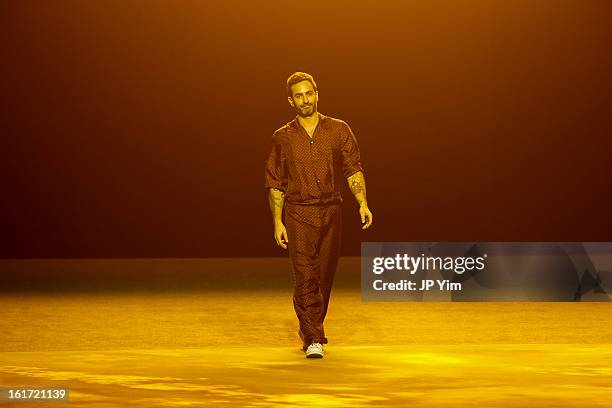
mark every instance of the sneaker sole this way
{"type": "Point", "coordinates": [314, 355]}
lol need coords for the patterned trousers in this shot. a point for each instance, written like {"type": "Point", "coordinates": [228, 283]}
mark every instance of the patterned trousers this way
{"type": "Point", "coordinates": [314, 234]}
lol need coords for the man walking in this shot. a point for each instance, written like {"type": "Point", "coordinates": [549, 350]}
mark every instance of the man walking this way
{"type": "Point", "coordinates": [309, 157]}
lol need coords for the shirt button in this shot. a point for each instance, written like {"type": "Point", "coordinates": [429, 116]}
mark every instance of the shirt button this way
{"type": "Point", "coordinates": [312, 142]}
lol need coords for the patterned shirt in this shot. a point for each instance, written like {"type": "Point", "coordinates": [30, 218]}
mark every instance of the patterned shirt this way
{"type": "Point", "coordinates": [310, 170]}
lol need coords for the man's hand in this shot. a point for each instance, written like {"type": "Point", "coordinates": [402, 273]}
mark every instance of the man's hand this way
{"type": "Point", "coordinates": [366, 217]}
{"type": "Point", "coordinates": [280, 235]}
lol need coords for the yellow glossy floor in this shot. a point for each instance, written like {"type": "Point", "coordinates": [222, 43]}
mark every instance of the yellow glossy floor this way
{"type": "Point", "coordinates": [240, 348]}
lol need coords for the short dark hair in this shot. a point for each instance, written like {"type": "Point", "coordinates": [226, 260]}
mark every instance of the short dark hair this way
{"type": "Point", "coordinates": [299, 77]}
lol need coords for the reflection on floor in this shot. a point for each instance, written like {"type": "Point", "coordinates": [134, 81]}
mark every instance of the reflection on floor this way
{"type": "Point", "coordinates": [241, 349]}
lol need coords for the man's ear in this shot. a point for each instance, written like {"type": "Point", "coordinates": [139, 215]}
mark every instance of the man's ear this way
{"type": "Point", "coordinates": [290, 99]}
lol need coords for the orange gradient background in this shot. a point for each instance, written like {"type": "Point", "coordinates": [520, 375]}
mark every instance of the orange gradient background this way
{"type": "Point", "coordinates": [140, 129]}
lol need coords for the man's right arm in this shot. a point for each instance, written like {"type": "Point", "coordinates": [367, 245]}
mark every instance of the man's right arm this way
{"type": "Point", "coordinates": [276, 182]}
{"type": "Point", "coordinates": [276, 199]}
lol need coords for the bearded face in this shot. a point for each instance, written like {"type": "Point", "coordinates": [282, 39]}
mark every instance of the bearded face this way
{"type": "Point", "coordinates": [304, 98]}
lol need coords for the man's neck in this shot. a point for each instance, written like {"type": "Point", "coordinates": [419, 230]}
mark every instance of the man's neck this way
{"type": "Point", "coordinates": [309, 122]}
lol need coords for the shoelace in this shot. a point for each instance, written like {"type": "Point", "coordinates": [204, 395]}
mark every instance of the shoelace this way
{"type": "Point", "coordinates": [316, 346]}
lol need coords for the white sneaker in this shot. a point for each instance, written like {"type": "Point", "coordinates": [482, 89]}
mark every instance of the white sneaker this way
{"type": "Point", "coordinates": [315, 350]}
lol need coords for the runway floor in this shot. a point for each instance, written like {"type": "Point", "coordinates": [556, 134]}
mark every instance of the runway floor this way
{"type": "Point", "coordinates": [240, 348]}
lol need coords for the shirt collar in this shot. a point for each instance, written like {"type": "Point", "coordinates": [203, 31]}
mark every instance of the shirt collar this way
{"type": "Point", "coordinates": [295, 125]}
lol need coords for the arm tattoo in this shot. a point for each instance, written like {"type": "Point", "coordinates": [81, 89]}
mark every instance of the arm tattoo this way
{"type": "Point", "coordinates": [358, 187]}
{"type": "Point", "coordinates": [276, 199]}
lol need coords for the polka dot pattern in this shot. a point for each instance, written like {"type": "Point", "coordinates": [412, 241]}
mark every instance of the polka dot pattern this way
{"type": "Point", "coordinates": [311, 170]}
{"type": "Point", "coordinates": [314, 234]}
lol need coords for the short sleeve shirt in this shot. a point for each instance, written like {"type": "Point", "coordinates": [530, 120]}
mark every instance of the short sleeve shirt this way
{"type": "Point", "coordinates": [309, 170]}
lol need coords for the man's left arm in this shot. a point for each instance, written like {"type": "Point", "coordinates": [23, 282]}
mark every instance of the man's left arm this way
{"type": "Point", "coordinates": [357, 185]}
{"type": "Point", "coordinates": [354, 174]}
